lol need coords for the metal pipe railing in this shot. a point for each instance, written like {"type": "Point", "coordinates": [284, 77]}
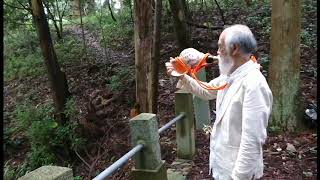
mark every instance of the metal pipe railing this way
{"type": "Point", "coordinates": [170, 123]}
{"type": "Point", "coordinates": [120, 162]}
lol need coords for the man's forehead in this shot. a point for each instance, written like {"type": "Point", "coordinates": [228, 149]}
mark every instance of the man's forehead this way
{"type": "Point", "coordinates": [222, 37]}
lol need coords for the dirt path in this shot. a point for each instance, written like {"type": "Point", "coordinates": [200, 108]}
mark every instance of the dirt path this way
{"type": "Point", "coordinates": [95, 46]}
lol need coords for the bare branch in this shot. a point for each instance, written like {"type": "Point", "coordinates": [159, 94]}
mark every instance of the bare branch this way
{"type": "Point", "coordinates": [12, 6]}
{"type": "Point", "coordinates": [25, 7]}
{"type": "Point", "coordinates": [58, 10]}
{"type": "Point", "coordinates": [64, 8]}
{"type": "Point", "coordinates": [51, 16]}
{"type": "Point", "coordinates": [82, 159]}
{"type": "Point", "coordinates": [204, 27]}
{"type": "Point", "coordinates": [221, 13]}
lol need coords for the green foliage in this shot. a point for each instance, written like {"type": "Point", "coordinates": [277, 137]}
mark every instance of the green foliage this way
{"type": "Point", "coordinates": [114, 33]}
{"type": "Point", "coordinates": [68, 50]}
{"type": "Point", "coordinates": [18, 67]}
{"type": "Point", "coordinates": [274, 129]}
{"type": "Point", "coordinates": [44, 134]}
{"type": "Point", "coordinates": [9, 172]}
{"type": "Point", "coordinates": [12, 173]}
{"type": "Point", "coordinates": [71, 110]}
{"type": "Point", "coordinates": [22, 55]}
{"type": "Point", "coordinates": [10, 142]}
{"type": "Point", "coordinates": [77, 178]}
{"type": "Point", "coordinates": [117, 81]}
{"type": "Point", "coordinates": [16, 18]}
{"type": "Point", "coordinates": [307, 38]}
{"type": "Point", "coordinates": [26, 114]}
{"type": "Point", "coordinates": [41, 155]}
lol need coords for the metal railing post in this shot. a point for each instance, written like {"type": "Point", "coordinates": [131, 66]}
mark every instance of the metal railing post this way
{"type": "Point", "coordinates": [185, 135]}
{"type": "Point", "coordinates": [148, 163]}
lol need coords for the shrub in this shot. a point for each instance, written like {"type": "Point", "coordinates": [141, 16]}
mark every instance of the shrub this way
{"type": "Point", "coordinates": [117, 81]}
{"type": "Point", "coordinates": [44, 134]}
{"type": "Point", "coordinates": [22, 55]}
{"type": "Point", "coordinates": [12, 173]}
{"type": "Point", "coordinates": [68, 50]}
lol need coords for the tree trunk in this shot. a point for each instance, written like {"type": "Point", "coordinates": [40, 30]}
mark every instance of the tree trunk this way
{"type": "Point", "coordinates": [61, 26]}
{"type": "Point", "coordinates": [130, 6]}
{"type": "Point", "coordinates": [82, 30]}
{"type": "Point", "coordinates": [110, 9]}
{"type": "Point", "coordinates": [91, 6]}
{"type": "Point", "coordinates": [143, 38]}
{"type": "Point", "coordinates": [248, 2]}
{"type": "Point", "coordinates": [57, 78]}
{"type": "Point", "coordinates": [102, 34]}
{"type": "Point", "coordinates": [76, 8]}
{"type": "Point", "coordinates": [51, 16]}
{"type": "Point", "coordinates": [156, 55]}
{"type": "Point", "coordinates": [178, 10]}
{"type": "Point", "coordinates": [284, 69]}
{"type": "Point", "coordinates": [220, 11]}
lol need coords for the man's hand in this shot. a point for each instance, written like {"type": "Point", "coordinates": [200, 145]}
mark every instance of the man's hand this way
{"type": "Point", "coordinates": [170, 69]}
{"type": "Point", "coordinates": [169, 66]}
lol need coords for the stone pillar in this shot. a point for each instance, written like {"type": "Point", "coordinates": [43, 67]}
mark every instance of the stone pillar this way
{"type": "Point", "coordinates": [148, 163]}
{"type": "Point", "coordinates": [185, 128]}
{"type": "Point", "coordinates": [201, 107]}
{"type": "Point", "coordinates": [49, 173]}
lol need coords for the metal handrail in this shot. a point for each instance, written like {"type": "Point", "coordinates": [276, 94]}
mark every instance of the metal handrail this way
{"type": "Point", "coordinates": [166, 126]}
{"type": "Point", "coordinates": [120, 162]}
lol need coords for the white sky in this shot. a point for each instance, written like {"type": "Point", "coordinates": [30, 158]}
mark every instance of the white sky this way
{"type": "Point", "coordinates": [116, 5]}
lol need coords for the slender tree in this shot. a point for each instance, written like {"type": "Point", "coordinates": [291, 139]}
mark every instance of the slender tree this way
{"type": "Point", "coordinates": [284, 69]}
{"type": "Point", "coordinates": [57, 78]}
{"type": "Point", "coordinates": [179, 13]}
{"type": "Point", "coordinates": [110, 9]}
{"type": "Point", "coordinates": [102, 32]}
{"type": "Point", "coordinates": [156, 55]}
{"type": "Point", "coordinates": [143, 38]}
{"type": "Point", "coordinates": [54, 10]}
{"type": "Point", "coordinates": [82, 29]}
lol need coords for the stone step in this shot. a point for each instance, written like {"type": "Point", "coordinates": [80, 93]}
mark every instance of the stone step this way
{"type": "Point", "coordinates": [172, 175]}
{"type": "Point", "coordinates": [179, 169]}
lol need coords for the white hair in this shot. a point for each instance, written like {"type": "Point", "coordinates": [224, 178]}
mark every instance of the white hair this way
{"type": "Point", "coordinates": [241, 35]}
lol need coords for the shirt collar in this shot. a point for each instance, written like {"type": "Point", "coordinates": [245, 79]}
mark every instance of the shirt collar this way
{"type": "Point", "coordinates": [243, 68]}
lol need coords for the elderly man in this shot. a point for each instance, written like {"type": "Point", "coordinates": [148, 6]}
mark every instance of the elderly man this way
{"type": "Point", "coordinates": [243, 107]}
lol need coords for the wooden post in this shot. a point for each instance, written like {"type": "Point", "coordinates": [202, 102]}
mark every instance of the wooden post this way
{"type": "Point", "coordinates": [201, 107]}
{"type": "Point", "coordinates": [185, 128]}
{"type": "Point", "coordinates": [148, 163]}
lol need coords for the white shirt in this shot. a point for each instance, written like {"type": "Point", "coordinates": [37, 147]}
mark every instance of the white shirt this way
{"type": "Point", "coordinates": [239, 131]}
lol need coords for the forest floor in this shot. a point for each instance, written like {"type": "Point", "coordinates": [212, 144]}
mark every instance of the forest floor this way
{"type": "Point", "coordinates": [108, 129]}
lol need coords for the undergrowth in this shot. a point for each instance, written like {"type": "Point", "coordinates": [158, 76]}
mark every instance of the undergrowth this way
{"type": "Point", "coordinates": [23, 57]}
{"type": "Point", "coordinates": [46, 137]}
{"type": "Point", "coordinates": [112, 33]}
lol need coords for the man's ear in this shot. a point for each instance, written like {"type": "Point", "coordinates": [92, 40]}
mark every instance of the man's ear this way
{"type": "Point", "coordinates": [235, 49]}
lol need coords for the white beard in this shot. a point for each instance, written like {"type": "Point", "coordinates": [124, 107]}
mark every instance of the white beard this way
{"type": "Point", "coordinates": [225, 65]}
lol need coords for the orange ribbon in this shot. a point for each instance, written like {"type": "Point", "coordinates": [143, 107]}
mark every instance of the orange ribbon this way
{"type": "Point", "coordinates": [183, 68]}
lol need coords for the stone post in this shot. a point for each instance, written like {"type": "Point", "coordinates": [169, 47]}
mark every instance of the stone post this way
{"type": "Point", "coordinates": [201, 107]}
{"type": "Point", "coordinates": [148, 163]}
{"type": "Point", "coordinates": [185, 128]}
{"type": "Point", "coordinates": [49, 173]}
